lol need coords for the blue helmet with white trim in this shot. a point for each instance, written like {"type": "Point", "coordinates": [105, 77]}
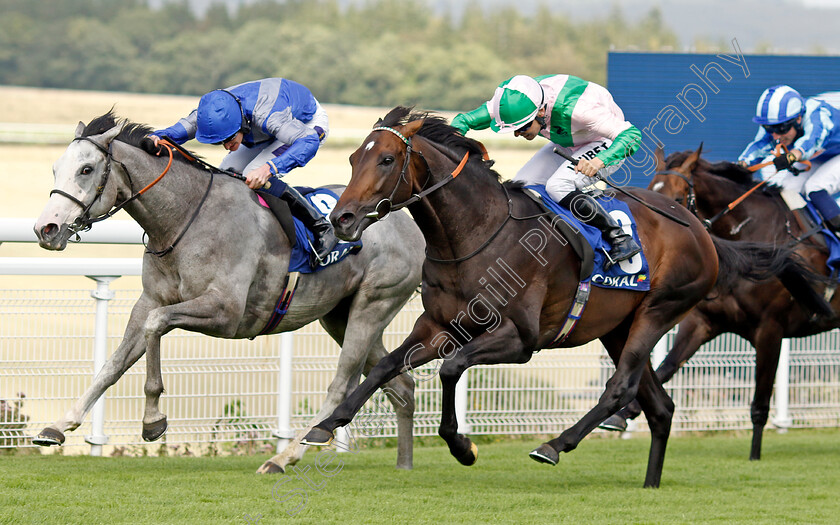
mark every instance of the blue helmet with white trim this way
{"type": "Point", "coordinates": [778, 104]}
{"type": "Point", "coordinates": [219, 117]}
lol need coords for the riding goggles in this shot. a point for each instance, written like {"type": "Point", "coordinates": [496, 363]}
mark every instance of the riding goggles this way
{"type": "Point", "coordinates": [779, 129]}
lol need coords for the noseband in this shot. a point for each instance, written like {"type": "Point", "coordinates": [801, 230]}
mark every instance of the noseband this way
{"type": "Point", "coordinates": [691, 198]}
{"type": "Point", "coordinates": [386, 206]}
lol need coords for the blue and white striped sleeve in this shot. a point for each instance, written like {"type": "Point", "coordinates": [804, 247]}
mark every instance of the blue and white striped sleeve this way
{"type": "Point", "coordinates": [181, 131]}
{"type": "Point", "coordinates": [816, 125]}
{"type": "Point", "coordinates": [758, 149]}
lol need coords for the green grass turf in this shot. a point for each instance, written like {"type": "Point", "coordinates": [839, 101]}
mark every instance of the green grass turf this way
{"type": "Point", "coordinates": [707, 479]}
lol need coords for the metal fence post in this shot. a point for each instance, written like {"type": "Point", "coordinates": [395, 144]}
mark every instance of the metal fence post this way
{"type": "Point", "coordinates": [284, 432]}
{"type": "Point", "coordinates": [101, 295]}
{"type": "Point", "coordinates": [461, 403]}
{"type": "Point", "coordinates": [782, 393]}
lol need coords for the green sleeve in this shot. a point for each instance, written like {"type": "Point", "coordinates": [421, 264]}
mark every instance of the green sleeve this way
{"type": "Point", "coordinates": [625, 144]}
{"type": "Point", "coordinates": [478, 118]}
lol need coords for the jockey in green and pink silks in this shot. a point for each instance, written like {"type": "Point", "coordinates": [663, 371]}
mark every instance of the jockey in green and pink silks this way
{"type": "Point", "coordinates": [577, 116]}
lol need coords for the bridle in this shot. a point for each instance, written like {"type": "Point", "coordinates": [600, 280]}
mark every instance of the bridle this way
{"type": "Point", "coordinates": [84, 222]}
{"type": "Point", "coordinates": [691, 197]}
{"type": "Point", "coordinates": [388, 202]}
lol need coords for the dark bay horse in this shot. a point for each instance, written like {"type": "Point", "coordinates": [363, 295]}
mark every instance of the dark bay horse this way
{"type": "Point", "coordinates": [226, 272]}
{"type": "Point", "coordinates": [763, 312]}
{"type": "Point", "coordinates": [489, 299]}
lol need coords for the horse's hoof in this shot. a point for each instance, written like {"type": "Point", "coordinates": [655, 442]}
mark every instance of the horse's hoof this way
{"type": "Point", "coordinates": [545, 453]}
{"type": "Point", "coordinates": [470, 458]}
{"type": "Point", "coordinates": [318, 437]}
{"type": "Point", "coordinates": [615, 423]}
{"type": "Point", "coordinates": [153, 431]}
{"type": "Point", "coordinates": [270, 468]}
{"type": "Point", "coordinates": [48, 437]}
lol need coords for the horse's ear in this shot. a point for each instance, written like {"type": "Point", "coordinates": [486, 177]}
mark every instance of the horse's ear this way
{"type": "Point", "coordinates": [412, 127]}
{"type": "Point", "coordinates": [80, 129]}
{"type": "Point", "coordinates": [659, 156]}
{"type": "Point", "coordinates": [691, 160]}
{"type": "Point", "coordinates": [111, 134]}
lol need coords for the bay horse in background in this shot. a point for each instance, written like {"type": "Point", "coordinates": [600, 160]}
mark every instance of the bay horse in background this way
{"type": "Point", "coordinates": [473, 225]}
{"type": "Point", "coordinates": [225, 273]}
{"type": "Point", "coordinates": [763, 312]}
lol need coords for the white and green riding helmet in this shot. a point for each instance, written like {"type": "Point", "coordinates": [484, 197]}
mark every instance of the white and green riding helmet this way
{"type": "Point", "coordinates": [515, 103]}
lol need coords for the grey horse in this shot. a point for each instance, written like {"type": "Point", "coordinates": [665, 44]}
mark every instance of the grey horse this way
{"type": "Point", "coordinates": [225, 272]}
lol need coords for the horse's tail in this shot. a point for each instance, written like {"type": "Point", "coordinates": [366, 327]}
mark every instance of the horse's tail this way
{"type": "Point", "coordinates": [757, 261]}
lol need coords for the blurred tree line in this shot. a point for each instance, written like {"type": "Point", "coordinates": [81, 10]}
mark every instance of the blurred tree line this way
{"type": "Point", "coordinates": [382, 53]}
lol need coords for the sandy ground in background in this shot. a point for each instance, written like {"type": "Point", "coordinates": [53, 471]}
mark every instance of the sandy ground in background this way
{"type": "Point", "coordinates": [26, 170]}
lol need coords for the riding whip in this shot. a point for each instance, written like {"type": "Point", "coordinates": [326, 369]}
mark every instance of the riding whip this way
{"type": "Point", "coordinates": [664, 213]}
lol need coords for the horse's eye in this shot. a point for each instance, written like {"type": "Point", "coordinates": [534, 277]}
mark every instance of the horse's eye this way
{"type": "Point", "coordinates": [87, 170]}
{"type": "Point", "coordinates": [387, 160]}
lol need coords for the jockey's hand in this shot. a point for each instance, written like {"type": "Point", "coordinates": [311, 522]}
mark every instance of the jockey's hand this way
{"type": "Point", "coordinates": [257, 178]}
{"type": "Point", "coordinates": [589, 167]}
{"type": "Point", "coordinates": [155, 139]}
{"type": "Point", "coordinates": [783, 162]}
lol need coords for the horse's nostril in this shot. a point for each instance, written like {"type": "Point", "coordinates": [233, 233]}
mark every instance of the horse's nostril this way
{"type": "Point", "coordinates": [346, 218]}
{"type": "Point", "coordinates": [49, 230]}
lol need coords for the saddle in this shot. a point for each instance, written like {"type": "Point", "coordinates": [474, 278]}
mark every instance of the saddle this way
{"type": "Point", "coordinates": [576, 240]}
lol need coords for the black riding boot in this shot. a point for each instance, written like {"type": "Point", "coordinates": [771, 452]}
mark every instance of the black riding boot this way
{"type": "Point", "coordinates": [589, 211]}
{"type": "Point", "coordinates": [325, 239]}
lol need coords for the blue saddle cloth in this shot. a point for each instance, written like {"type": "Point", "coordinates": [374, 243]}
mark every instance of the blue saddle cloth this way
{"type": "Point", "coordinates": [831, 240]}
{"type": "Point", "coordinates": [302, 253]}
{"type": "Point", "coordinates": [630, 274]}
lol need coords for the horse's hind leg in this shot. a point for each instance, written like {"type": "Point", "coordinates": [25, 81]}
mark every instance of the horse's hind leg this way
{"type": "Point", "coordinates": [694, 331]}
{"type": "Point", "coordinates": [659, 411]}
{"type": "Point", "coordinates": [131, 348]}
{"type": "Point", "coordinates": [768, 342]}
{"type": "Point", "coordinates": [361, 348]}
{"type": "Point", "coordinates": [644, 330]}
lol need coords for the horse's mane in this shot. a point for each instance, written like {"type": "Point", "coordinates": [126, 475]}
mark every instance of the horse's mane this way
{"type": "Point", "coordinates": [727, 170]}
{"type": "Point", "coordinates": [132, 133]}
{"type": "Point", "coordinates": [436, 129]}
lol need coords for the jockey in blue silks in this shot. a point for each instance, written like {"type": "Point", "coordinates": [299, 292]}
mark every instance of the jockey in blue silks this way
{"type": "Point", "coordinates": [810, 128]}
{"type": "Point", "coordinates": [270, 127]}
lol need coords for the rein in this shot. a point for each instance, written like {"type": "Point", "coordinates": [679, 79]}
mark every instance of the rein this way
{"type": "Point", "coordinates": [379, 215]}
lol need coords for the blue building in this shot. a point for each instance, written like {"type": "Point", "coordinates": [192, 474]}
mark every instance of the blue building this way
{"type": "Point", "coordinates": [679, 100]}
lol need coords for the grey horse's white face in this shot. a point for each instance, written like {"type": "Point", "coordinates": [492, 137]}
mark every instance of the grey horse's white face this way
{"type": "Point", "coordinates": [79, 172]}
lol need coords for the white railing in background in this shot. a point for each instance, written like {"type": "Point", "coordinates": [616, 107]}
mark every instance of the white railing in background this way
{"type": "Point", "coordinates": [237, 394]}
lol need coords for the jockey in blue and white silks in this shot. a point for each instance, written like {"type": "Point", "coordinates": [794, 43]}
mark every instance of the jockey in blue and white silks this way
{"type": "Point", "coordinates": [579, 117]}
{"type": "Point", "coordinates": [810, 128]}
{"type": "Point", "coordinates": [270, 127]}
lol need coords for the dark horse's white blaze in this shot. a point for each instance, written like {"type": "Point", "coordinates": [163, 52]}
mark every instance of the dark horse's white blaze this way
{"type": "Point", "coordinates": [226, 273]}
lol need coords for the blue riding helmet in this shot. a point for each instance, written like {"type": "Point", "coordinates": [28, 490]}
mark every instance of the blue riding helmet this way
{"type": "Point", "coordinates": [778, 104]}
{"type": "Point", "coordinates": [219, 117]}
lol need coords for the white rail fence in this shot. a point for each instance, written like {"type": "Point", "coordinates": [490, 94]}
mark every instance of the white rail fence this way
{"type": "Point", "coordinates": [242, 395]}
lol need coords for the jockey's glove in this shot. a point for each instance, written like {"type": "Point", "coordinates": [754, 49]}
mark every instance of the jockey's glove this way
{"type": "Point", "coordinates": [783, 162]}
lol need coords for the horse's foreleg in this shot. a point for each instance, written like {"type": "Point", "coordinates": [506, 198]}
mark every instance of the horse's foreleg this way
{"type": "Point", "coordinates": [413, 353]}
{"type": "Point", "coordinates": [207, 313]}
{"type": "Point", "coordinates": [131, 348]}
{"type": "Point", "coordinates": [768, 343]}
{"type": "Point", "coordinates": [503, 345]}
